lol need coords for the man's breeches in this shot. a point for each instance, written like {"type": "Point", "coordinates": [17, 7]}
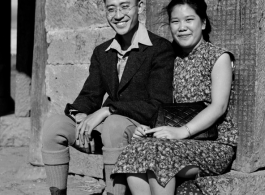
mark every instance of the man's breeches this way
{"type": "Point", "coordinates": [59, 133]}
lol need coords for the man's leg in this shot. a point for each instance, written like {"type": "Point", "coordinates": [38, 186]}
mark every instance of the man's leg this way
{"type": "Point", "coordinates": [116, 132]}
{"type": "Point", "coordinates": [58, 134]}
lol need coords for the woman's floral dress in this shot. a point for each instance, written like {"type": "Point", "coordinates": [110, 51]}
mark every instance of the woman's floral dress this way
{"type": "Point", "coordinates": [192, 83]}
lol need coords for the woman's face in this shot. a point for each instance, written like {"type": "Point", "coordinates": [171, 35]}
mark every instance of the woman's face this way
{"type": "Point", "coordinates": [186, 27]}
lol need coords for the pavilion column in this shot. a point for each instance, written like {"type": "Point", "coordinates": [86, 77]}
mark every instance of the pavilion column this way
{"type": "Point", "coordinates": [39, 100]}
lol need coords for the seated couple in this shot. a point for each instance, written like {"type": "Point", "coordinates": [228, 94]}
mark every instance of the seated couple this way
{"type": "Point", "coordinates": [137, 70]}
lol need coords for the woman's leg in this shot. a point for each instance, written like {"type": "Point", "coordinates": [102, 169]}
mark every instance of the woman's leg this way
{"type": "Point", "coordinates": [157, 189]}
{"type": "Point", "coordinates": [138, 184]}
{"type": "Point", "coordinates": [58, 134]}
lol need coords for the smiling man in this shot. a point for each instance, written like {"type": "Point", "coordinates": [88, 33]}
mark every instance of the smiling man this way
{"type": "Point", "coordinates": [135, 69]}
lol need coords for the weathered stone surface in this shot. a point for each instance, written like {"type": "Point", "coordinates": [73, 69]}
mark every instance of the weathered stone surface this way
{"type": "Point", "coordinates": [76, 47]}
{"type": "Point", "coordinates": [236, 183]}
{"type": "Point", "coordinates": [30, 173]}
{"type": "Point", "coordinates": [17, 177]}
{"type": "Point", "coordinates": [87, 185]}
{"type": "Point", "coordinates": [84, 164]}
{"type": "Point", "coordinates": [239, 26]}
{"type": "Point", "coordinates": [72, 14]}
{"type": "Point", "coordinates": [14, 131]}
{"type": "Point", "coordinates": [22, 95]}
{"type": "Point", "coordinates": [63, 83]}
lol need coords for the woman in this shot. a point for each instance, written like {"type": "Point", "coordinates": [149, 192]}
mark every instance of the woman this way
{"type": "Point", "coordinates": [203, 72]}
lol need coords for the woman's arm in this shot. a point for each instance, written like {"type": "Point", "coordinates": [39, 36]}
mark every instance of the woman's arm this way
{"type": "Point", "coordinates": [221, 85]}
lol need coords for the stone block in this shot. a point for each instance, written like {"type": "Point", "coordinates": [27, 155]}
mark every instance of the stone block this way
{"type": "Point", "coordinates": [84, 164]}
{"type": "Point", "coordinates": [14, 131]}
{"type": "Point", "coordinates": [63, 84]}
{"type": "Point", "coordinates": [236, 183]}
{"type": "Point", "coordinates": [78, 185]}
{"type": "Point", "coordinates": [30, 173]}
{"type": "Point", "coordinates": [73, 14]}
{"type": "Point", "coordinates": [22, 95]}
{"type": "Point", "coordinates": [75, 46]}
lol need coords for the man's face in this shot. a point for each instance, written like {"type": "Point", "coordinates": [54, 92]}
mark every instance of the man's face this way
{"type": "Point", "coordinates": [122, 15]}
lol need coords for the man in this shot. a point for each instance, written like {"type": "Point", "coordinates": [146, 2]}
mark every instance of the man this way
{"type": "Point", "coordinates": [135, 69]}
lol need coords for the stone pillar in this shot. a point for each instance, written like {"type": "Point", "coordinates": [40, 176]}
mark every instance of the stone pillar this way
{"type": "Point", "coordinates": [239, 26]}
{"type": "Point", "coordinates": [39, 102]}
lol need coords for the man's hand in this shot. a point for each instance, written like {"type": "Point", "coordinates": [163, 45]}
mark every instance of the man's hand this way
{"type": "Point", "coordinates": [87, 124]}
{"type": "Point", "coordinates": [79, 117]}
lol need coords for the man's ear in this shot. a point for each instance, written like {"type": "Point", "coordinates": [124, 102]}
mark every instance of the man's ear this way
{"type": "Point", "coordinates": [204, 24]}
{"type": "Point", "coordinates": [140, 6]}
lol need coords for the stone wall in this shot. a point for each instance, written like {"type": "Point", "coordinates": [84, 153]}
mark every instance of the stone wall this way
{"type": "Point", "coordinates": [74, 29]}
{"type": "Point", "coordinates": [239, 26]}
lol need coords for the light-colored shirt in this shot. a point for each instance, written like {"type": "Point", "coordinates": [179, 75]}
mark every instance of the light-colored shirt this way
{"type": "Point", "coordinates": [141, 36]}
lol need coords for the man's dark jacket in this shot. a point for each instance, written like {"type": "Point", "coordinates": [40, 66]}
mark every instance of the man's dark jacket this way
{"type": "Point", "coordinates": [146, 81]}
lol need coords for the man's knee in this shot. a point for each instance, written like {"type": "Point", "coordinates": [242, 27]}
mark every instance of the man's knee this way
{"type": "Point", "coordinates": [114, 132]}
{"type": "Point", "coordinates": [57, 130]}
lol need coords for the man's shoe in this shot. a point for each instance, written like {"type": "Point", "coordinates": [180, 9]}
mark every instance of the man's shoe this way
{"type": "Point", "coordinates": [56, 191]}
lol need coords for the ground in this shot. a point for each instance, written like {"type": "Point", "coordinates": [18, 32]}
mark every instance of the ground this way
{"type": "Point", "coordinates": [18, 177]}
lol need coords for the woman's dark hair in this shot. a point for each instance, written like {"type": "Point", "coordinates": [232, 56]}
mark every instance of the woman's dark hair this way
{"type": "Point", "coordinates": [200, 8]}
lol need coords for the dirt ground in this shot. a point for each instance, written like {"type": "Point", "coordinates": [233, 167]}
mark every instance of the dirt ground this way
{"type": "Point", "coordinates": [18, 177]}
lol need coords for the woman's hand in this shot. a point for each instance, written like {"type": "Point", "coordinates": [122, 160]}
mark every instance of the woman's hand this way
{"type": "Point", "coordinates": [167, 132]}
{"type": "Point", "coordinates": [140, 132]}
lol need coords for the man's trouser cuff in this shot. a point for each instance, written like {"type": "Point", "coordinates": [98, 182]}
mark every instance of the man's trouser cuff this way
{"type": "Point", "coordinates": [56, 157]}
{"type": "Point", "coordinates": [110, 155]}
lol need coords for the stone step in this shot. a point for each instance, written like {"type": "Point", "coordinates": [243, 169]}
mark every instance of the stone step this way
{"type": "Point", "coordinates": [237, 183]}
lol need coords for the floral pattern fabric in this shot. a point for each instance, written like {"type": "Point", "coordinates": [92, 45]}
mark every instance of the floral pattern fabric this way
{"type": "Point", "coordinates": [192, 83]}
